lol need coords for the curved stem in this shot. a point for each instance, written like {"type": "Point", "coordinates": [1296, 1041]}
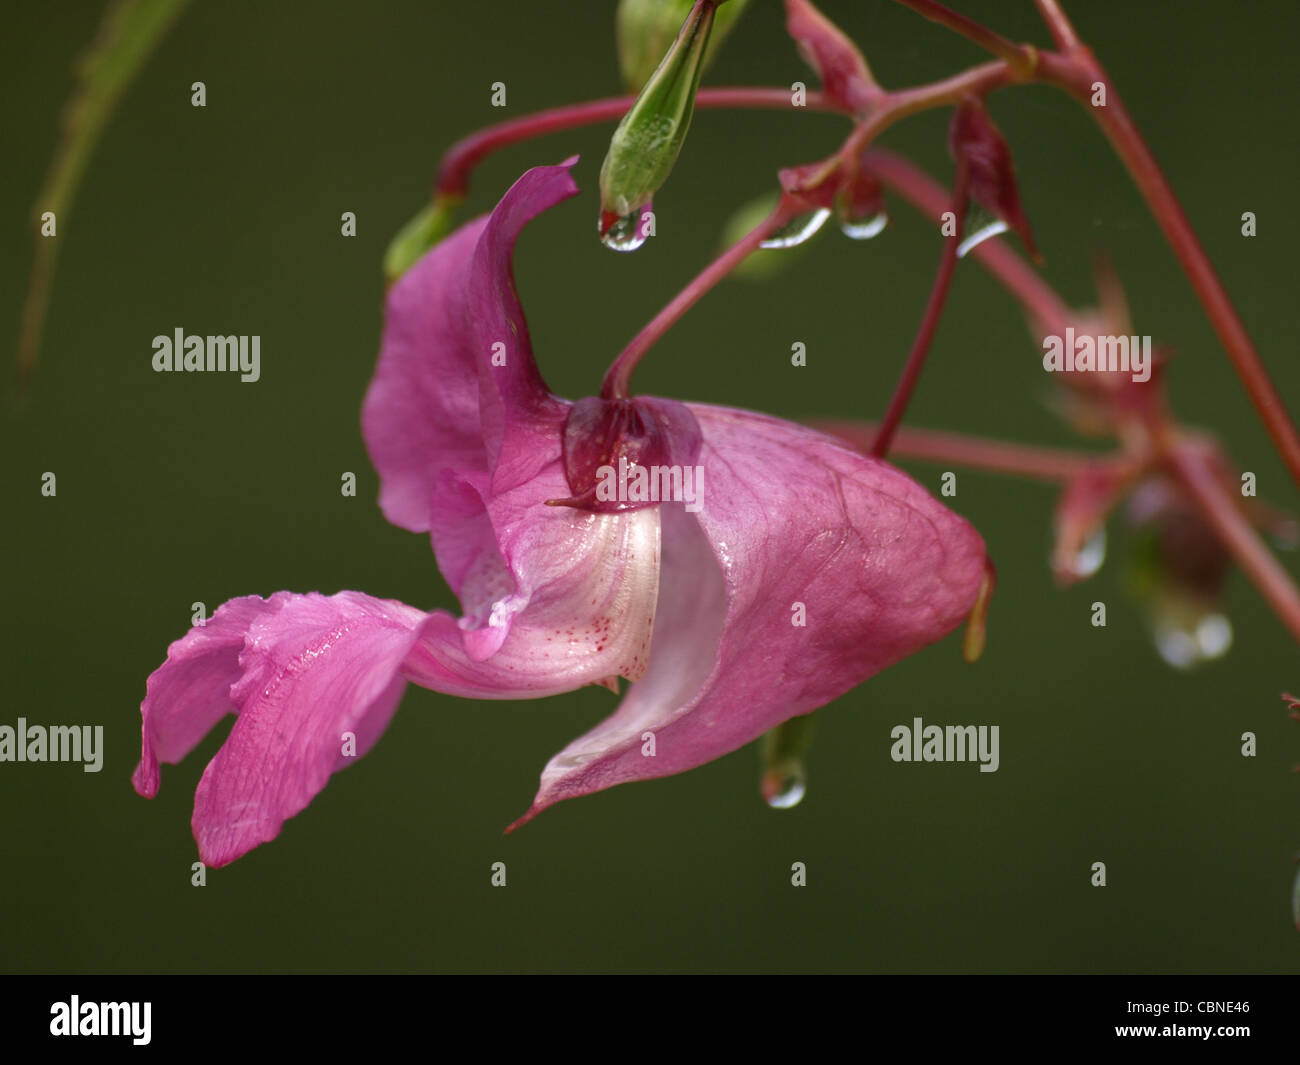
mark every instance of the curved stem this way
{"type": "Point", "coordinates": [1237, 535]}
{"type": "Point", "coordinates": [929, 320]}
{"type": "Point", "coordinates": [979, 80]}
{"type": "Point", "coordinates": [971, 452]}
{"type": "Point", "coordinates": [1019, 56]}
{"type": "Point", "coordinates": [1076, 74]}
{"type": "Point", "coordinates": [1059, 26]}
{"type": "Point", "coordinates": [618, 376]}
{"type": "Point", "coordinates": [1037, 297]}
{"type": "Point", "coordinates": [462, 157]}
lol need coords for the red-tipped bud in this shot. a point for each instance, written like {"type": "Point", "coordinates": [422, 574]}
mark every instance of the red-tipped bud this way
{"type": "Point", "coordinates": [974, 140]}
{"type": "Point", "coordinates": [845, 77]}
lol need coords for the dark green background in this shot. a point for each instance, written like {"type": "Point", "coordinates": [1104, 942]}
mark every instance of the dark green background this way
{"type": "Point", "coordinates": [173, 489]}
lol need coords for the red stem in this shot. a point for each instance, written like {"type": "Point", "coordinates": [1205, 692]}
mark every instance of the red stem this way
{"type": "Point", "coordinates": [618, 376]}
{"type": "Point", "coordinates": [971, 452]}
{"type": "Point", "coordinates": [1020, 279]}
{"type": "Point", "coordinates": [1062, 32]}
{"type": "Point", "coordinates": [463, 156]}
{"type": "Point", "coordinates": [1118, 126]}
{"type": "Point", "coordinates": [929, 320]}
{"type": "Point", "coordinates": [1022, 57]}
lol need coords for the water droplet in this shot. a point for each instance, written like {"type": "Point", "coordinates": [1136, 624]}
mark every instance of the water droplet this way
{"type": "Point", "coordinates": [785, 786]}
{"type": "Point", "coordinates": [1194, 641]}
{"type": "Point", "coordinates": [1090, 556]}
{"type": "Point", "coordinates": [988, 232]}
{"type": "Point", "coordinates": [626, 233]}
{"type": "Point", "coordinates": [865, 230]}
{"type": "Point", "coordinates": [798, 230]}
{"type": "Point", "coordinates": [1214, 636]}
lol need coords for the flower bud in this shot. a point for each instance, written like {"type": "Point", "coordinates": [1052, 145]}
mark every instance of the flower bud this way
{"type": "Point", "coordinates": [846, 78]}
{"type": "Point", "coordinates": [974, 140]}
{"type": "Point", "coordinates": [1178, 570]}
{"type": "Point", "coordinates": [860, 205]}
{"type": "Point", "coordinates": [645, 145]}
{"type": "Point", "coordinates": [645, 29]}
{"type": "Point", "coordinates": [419, 235]}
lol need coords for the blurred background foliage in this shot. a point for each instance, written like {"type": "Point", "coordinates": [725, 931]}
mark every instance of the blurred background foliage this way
{"type": "Point", "coordinates": [184, 488]}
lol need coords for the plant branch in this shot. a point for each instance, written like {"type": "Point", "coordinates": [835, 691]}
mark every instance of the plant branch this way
{"type": "Point", "coordinates": [1077, 74]}
{"type": "Point", "coordinates": [1037, 297]}
{"type": "Point", "coordinates": [618, 376]}
{"type": "Point", "coordinates": [915, 363]}
{"type": "Point", "coordinates": [462, 157]}
{"type": "Point", "coordinates": [1059, 26]}
{"type": "Point", "coordinates": [970, 452]}
{"type": "Point", "coordinates": [1022, 58]}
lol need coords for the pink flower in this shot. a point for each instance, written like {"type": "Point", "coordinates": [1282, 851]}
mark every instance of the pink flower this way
{"type": "Point", "coordinates": [698, 607]}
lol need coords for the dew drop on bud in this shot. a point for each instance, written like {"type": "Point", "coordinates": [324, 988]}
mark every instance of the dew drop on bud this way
{"type": "Point", "coordinates": [798, 230]}
{"type": "Point", "coordinates": [1192, 640]}
{"type": "Point", "coordinates": [1088, 559]}
{"type": "Point", "coordinates": [988, 232]}
{"type": "Point", "coordinates": [626, 233]}
{"type": "Point", "coordinates": [784, 787]}
{"type": "Point", "coordinates": [872, 227]}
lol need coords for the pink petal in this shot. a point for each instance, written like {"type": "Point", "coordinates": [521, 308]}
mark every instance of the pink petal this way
{"type": "Point", "coordinates": [568, 598]}
{"type": "Point", "coordinates": [190, 692]}
{"type": "Point", "coordinates": [437, 401]}
{"type": "Point", "coordinates": [312, 670]}
{"type": "Point", "coordinates": [789, 516]}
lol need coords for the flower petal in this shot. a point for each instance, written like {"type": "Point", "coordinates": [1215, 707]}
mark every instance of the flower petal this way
{"type": "Point", "coordinates": [439, 399]}
{"type": "Point", "coordinates": [790, 518]}
{"type": "Point", "coordinates": [312, 670]}
{"type": "Point", "coordinates": [568, 600]}
{"type": "Point", "coordinates": [190, 692]}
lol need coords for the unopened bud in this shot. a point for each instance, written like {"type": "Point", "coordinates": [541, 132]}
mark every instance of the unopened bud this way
{"type": "Point", "coordinates": [419, 235]}
{"type": "Point", "coordinates": [645, 145]}
{"type": "Point", "coordinates": [646, 28]}
{"type": "Point", "coordinates": [846, 78]}
{"type": "Point", "coordinates": [974, 140]}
